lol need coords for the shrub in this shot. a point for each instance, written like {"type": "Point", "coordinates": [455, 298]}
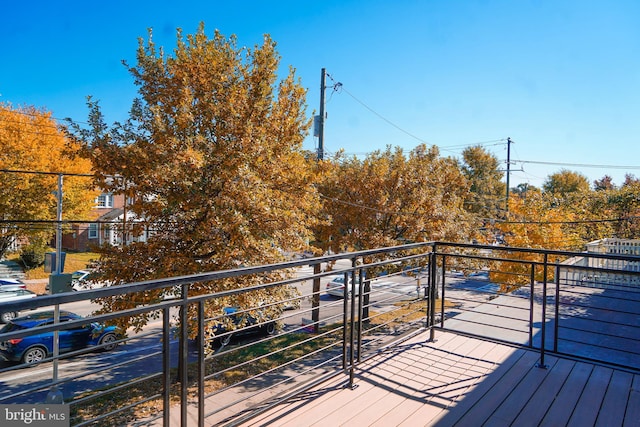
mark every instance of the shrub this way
{"type": "Point", "coordinates": [32, 255]}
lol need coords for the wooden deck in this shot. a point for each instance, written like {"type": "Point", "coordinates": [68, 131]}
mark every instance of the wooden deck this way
{"type": "Point", "coordinates": [463, 381]}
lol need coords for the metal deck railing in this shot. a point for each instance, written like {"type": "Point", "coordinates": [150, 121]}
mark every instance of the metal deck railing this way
{"type": "Point", "coordinates": [189, 368]}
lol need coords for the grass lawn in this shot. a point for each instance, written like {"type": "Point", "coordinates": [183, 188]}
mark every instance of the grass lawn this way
{"type": "Point", "coordinates": [73, 261]}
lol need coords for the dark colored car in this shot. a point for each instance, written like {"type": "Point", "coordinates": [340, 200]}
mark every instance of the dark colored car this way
{"type": "Point", "coordinates": [35, 348]}
{"type": "Point", "coordinates": [243, 324]}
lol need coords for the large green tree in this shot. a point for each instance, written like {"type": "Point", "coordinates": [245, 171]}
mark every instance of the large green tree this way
{"type": "Point", "coordinates": [212, 160]}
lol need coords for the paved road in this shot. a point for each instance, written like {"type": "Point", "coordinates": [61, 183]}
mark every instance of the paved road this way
{"type": "Point", "coordinates": [143, 351]}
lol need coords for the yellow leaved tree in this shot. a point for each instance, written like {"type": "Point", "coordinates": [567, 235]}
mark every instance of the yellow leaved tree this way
{"type": "Point", "coordinates": [536, 220]}
{"type": "Point", "coordinates": [211, 159]}
{"type": "Point", "coordinates": [34, 150]}
{"type": "Point", "coordinates": [391, 198]}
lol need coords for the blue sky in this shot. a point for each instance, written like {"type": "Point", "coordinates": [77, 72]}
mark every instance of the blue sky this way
{"type": "Point", "coordinates": [560, 78]}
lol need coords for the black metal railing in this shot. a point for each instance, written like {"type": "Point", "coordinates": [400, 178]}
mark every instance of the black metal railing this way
{"type": "Point", "coordinates": [189, 367]}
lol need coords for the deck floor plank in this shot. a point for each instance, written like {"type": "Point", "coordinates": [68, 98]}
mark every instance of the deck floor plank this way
{"type": "Point", "coordinates": [545, 394]}
{"type": "Point", "coordinates": [632, 414]}
{"type": "Point", "coordinates": [565, 402]}
{"type": "Point", "coordinates": [590, 401]}
{"type": "Point", "coordinates": [615, 400]}
{"type": "Point", "coordinates": [458, 380]}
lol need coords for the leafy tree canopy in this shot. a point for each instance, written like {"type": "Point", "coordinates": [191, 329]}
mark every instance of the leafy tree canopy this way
{"type": "Point", "coordinates": [566, 181]}
{"type": "Point", "coordinates": [390, 198]}
{"type": "Point", "coordinates": [32, 141]}
{"type": "Point", "coordinates": [486, 191]}
{"type": "Point", "coordinates": [212, 157]}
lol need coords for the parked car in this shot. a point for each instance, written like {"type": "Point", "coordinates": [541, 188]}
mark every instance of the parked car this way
{"type": "Point", "coordinates": [12, 288]}
{"type": "Point", "coordinates": [336, 287]}
{"type": "Point", "coordinates": [246, 324]}
{"type": "Point", "coordinates": [10, 281]}
{"type": "Point", "coordinates": [8, 295]}
{"type": "Point", "coordinates": [81, 278]}
{"type": "Point", "coordinates": [35, 348]}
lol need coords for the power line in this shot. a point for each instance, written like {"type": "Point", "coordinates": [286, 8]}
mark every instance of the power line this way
{"type": "Point", "coordinates": [582, 165]}
{"type": "Point", "coordinates": [45, 173]}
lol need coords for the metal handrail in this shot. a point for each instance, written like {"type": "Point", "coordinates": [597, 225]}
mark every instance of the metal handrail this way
{"type": "Point", "coordinates": [548, 310]}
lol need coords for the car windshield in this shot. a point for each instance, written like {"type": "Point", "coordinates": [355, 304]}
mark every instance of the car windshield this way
{"type": "Point", "coordinates": [78, 274]}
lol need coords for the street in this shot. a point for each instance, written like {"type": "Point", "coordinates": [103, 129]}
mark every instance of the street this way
{"type": "Point", "coordinates": [141, 354]}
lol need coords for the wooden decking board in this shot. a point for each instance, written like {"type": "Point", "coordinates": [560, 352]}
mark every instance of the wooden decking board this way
{"type": "Point", "coordinates": [385, 409]}
{"type": "Point", "coordinates": [520, 395]}
{"type": "Point", "coordinates": [427, 395]}
{"type": "Point", "coordinates": [468, 351]}
{"type": "Point", "coordinates": [429, 413]}
{"type": "Point", "coordinates": [565, 402]}
{"type": "Point", "coordinates": [590, 401]}
{"type": "Point", "coordinates": [481, 411]}
{"type": "Point", "coordinates": [615, 400]}
{"type": "Point", "coordinates": [545, 394]}
{"type": "Point", "coordinates": [466, 382]}
{"type": "Point", "coordinates": [300, 404]}
{"type": "Point", "coordinates": [632, 413]}
{"type": "Point", "coordinates": [372, 386]}
{"type": "Point", "coordinates": [388, 408]}
{"type": "Point", "coordinates": [462, 405]}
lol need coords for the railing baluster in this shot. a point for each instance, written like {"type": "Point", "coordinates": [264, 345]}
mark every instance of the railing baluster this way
{"type": "Point", "coordinates": [532, 281]}
{"type": "Point", "coordinates": [543, 320]}
{"type": "Point", "coordinates": [201, 364]}
{"type": "Point", "coordinates": [166, 367]}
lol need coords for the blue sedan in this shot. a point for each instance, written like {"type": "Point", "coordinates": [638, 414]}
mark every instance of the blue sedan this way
{"type": "Point", "coordinates": [33, 349]}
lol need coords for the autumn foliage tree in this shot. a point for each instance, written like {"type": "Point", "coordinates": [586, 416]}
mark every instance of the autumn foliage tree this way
{"type": "Point", "coordinates": [34, 150]}
{"type": "Point", "coordinates": [487, 191]}
{"type": "Point", "coordinates": [391, 198]}
{"type": "Point", "coordinates": [537, 221]}
{"type": "Point", "coordinates": [212, 159]}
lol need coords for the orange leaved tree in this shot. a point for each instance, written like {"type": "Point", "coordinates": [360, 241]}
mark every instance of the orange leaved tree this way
{"type": "Point", "coordinates": [211, 160]}
{"type": "Point", "coordinates": [34, 150]}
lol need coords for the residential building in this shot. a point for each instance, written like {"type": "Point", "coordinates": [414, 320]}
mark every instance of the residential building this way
{"type": "Point", "coordinates": [111, 216]}
{"type": "Point", "coordinates": [610, 246]}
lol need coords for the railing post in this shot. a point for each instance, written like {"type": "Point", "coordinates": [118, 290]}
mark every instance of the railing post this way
{"type": "Point", "coordinates": [166, 367]}
{"type": "Point", "coordinates": [201, 364]}
{"type": "Point", "coordinates": [345, 320]}
{"type": "Point", "coordinates": [543, 320]}
{"type": "Point", "coordinates": [352, 300]}
{"type": "Point", "coordinates": [183, 359]}
{"type": "Point", "coordinates": [431, 301]}
{"type": "Point", "coordinates": [556, 320]}
{"type": "Point", "coordinates": [532, 280]}
{"type": "Point", "coordinates": [360, 312]}
{"type": "Point", "coordinates": [444, 262]}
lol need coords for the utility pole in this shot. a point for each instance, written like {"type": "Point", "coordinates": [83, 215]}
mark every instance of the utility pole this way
{"type": "Point", "coordinates": [323, 76]}
{"type": "Point", "coordinates": [508, 172]}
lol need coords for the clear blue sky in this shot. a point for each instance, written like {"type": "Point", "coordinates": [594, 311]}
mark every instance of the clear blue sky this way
{"type": "Point", "coordinates": [561, 78]}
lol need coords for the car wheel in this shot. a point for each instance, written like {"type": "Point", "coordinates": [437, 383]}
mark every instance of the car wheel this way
{"type": "Point", "coordinates": [8, 316]}
{"type": "Point", "coordinates": [270, 328]}
{"type": "Point", "coordinates": [34, 355]}
{"type": "Point", "coordinates": [109, 342]}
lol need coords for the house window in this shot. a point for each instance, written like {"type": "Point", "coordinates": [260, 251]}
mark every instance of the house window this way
{"type": "Point", "coordinates": [105, 201]}
{"type": "Point", "coordinates": [93, 231]}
